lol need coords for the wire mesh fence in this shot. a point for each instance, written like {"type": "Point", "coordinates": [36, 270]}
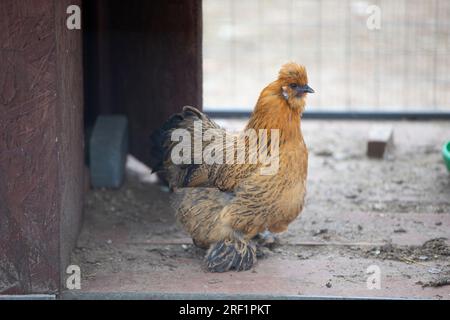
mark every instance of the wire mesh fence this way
{"type": "Point", "coordinates": [401, 64]}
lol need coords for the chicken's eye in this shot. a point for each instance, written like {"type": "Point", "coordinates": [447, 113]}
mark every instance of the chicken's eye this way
{"type": "Point", "coordinates": [293, 85]}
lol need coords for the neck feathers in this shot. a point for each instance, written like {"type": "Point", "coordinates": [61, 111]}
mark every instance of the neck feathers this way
{"type": "Point", "coordinates": [273, 111]}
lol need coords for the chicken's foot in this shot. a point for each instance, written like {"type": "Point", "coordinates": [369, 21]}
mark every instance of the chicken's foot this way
{"type": "Point", "coordinates": [228, 255]}
{"type": "Point", "coordinates": [267, 239]}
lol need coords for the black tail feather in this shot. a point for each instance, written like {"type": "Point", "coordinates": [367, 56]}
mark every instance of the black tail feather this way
{"type": "Point", "coordinates": [157, 139]}
{"type": "Point", "coordinates": [158, 151]}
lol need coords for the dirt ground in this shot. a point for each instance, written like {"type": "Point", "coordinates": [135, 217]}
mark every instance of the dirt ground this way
{"type": "Point", "coordinates": [392, 213]}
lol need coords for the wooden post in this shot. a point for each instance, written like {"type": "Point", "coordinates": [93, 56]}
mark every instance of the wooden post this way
{"type": "Point", "coordinates": [41, 150]}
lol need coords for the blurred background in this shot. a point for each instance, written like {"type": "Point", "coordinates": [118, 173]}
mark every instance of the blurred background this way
{"type": "Point", "coordinates": [402, 66]}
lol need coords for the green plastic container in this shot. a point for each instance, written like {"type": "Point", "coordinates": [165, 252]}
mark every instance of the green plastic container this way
{"type": "Point", "coordinates": [446, 154]}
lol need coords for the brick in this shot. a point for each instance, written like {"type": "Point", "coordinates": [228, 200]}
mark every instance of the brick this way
{"type": "Point", "coordinates": [381, 139]}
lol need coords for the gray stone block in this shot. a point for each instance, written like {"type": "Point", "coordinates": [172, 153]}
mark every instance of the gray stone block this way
{"type": "Point", "coordinates": [108, 149]}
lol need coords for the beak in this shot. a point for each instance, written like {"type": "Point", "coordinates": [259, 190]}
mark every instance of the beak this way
{"type": "Point", "coordinates": [304, 89]}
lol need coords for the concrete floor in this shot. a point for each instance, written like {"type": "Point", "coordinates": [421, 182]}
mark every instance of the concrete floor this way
{"type": "Point", "coordinates": [359, 213]}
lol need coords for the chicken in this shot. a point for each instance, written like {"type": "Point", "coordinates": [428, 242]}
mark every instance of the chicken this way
{"type": "Point", "coordinates": [225, 205]}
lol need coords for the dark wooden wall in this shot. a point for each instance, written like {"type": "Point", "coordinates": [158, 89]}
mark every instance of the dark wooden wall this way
{"type": "Point", "coordinates": [143, 59]}
{"type": "Point", "coordinates": [41, 150]}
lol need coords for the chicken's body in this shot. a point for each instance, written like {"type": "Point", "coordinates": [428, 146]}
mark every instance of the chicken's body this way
{"type": "Point", "coordinates": [224, 206]}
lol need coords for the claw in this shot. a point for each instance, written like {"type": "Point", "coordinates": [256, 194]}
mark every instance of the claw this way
{"type": "Point", "coordinates": [267, 239]}
{"type": "Point", "coordinates": [230, 255]}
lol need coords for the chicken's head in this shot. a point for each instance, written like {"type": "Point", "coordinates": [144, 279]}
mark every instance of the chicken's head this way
{"type": "Point", "coordinates": [293, 81]}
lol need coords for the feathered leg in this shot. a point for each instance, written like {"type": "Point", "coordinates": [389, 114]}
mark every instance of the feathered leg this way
{"type": "Point", "coordinates": [226, 255]}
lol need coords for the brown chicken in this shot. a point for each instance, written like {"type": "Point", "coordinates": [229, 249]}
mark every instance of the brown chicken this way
{"type": "Point", "coordinates": [224, 206]}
